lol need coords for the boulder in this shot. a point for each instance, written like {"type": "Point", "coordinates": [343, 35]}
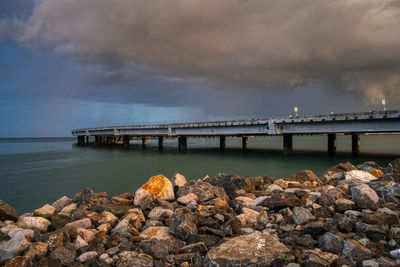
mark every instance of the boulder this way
{"type": "Point", "coordinates": [317, 257]}
{"type": "Point", "coordinates": [182, 223]}
{"type": "Point", "coordinates": [64, 255]}
{"type": "Point", "coordinates": [36, 223]}
{"type": "Point", "coordinates": [108, 217]}
{"type": "Point", "coordinates": [37, 250]}
{"type": "Point", "coordinates": [46, 211]}
{"type": "Point", "coordinates": [343, 204]}
{"type": "Point", "coordinates": [390, 193]}
{"type": "Point", "coordinates": [179, 180]}
{"type": "Point", "coordinates": [203, 190]}
{"type": "Point", "coordinates": [261, 249]}
{"type": "Point", "coordinates": [189, 198]}
{"type": "Point", "coordinates": [250, 215]}
{"type": "Point", "coordinates": [364, 197]}
{"type": "Point", "coordinates": [59, 221]}
{"type": "Point", "coordinates": [20, 240]}
{"type": "Point", "coordinates": [7, 212]}
{"type": "Point", "coordinates": [370, 263]}
{"type": "Point", "coordinates": [362, 176]}
{"type": "Point", "coordinates": [304, 176]}
{"type": "Point", "coordinates": [156, 248]}
{"type": "Point", "coordinates": [158, 212]}
{"type": "Point", "coordinates": [280, 200]}
{"type": "Point", "coordinates": [356, 251]}
{"type": "Point", "coordinates": [301, 215]}
{"type": "Point", "coordinates": [87, 196]}
{"type": "Point", "coordinates": [82, 223]}
{"type": "Point", "coordinates": [232, 184]}
{"type": "Point", "coordinates": [140, 194]}
{"type": "Point", "coordinates": [67, 210]}
{"type": "Point", "coordinates": [331, 243]}
{"type": "Point", "coordinates": [157, 185]}
{"type": "Point", "coordinates": [336, 173]}
{"type": "Point", "coordinates": [61, 203]}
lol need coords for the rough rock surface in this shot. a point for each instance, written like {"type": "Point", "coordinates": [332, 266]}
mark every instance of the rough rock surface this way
{"type": "Point", "coordinates": [7, 212]}
{"type": "Point", "coordinates": [160, 186]}
{"type": "Point", "coordinates": [362, 176]}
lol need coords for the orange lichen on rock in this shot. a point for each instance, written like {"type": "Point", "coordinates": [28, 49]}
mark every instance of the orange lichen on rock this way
{"type": "Point", "coordinates": [159, 186]}
{"type": "Point", "coordinates": [377, 173]}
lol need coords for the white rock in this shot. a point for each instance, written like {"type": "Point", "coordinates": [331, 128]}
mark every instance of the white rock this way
{"type": "Point", "coordinates": [139, 195]}
{"type": "Point", "coordinates": [87, 256]}
{"type": "Point", "coordinates": [104, 256]}
{"type": "Point", "coordinates": [273, 188]}
{"type": "Point", "coordinates": [45, 211]}
{"type": "Point", "coordinates": [36, 223]}
{"type": "Point", "coordinates": [364, 177]}
{"type": "Point", "coordinates": [68, 209]}
{"type": "Point", "coordinates": [61, 203]}
{"type": "Point", "coordinates": [83, 223]}
{"type": "Point", "coordinates": [179, 180]}
{"type": "Point", "coordinates": [20, 240]}
{"type": "Point", "coordinates": [186, 199]}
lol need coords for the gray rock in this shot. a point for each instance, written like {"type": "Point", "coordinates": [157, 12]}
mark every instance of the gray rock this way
{"type": "Point", "coordinates": [87, 196]}
{"type": "Point", "coordinates": [364, 197]}
{"type": "Point", "coordinates": [7, 212]}
{"type": "Point", "coordinates": [87, 256]}
{"type": "Point", "coordinates": [61, 203]}
{"type": "Point", "coordinates": [331, 243]}
{"type": "Point", "coordinates": [158, 249]}
{"type": "Point", "coordinates": [343, 204]}
{"type": "Point", "coordinates": [20, 240]}
{"type": "Point", "coordinates": [203, 190]}
{"type": "Point", "coordinates": [370, 263]}
{"type": "Point", "coordinates": [301, 215]}
{"type": "Point", "coordinates": [232, 184]}
{"type": "Point", "coordinates": [317, 257]}
{"type": "Point", "coordinates": [182, 223]}
{"type": "Point", "coordinates": [390, 193]}
{"type": "Point", "coordinates": [356, 251]}
{"type": "Point", "coordinates": [66, 256]}
{"type": "Point", "coordinates": [336, 173]}
{"type": "Point", "coordinates": [261, 249]}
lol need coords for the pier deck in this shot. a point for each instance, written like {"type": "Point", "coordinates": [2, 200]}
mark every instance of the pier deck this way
{"type": "Point", "coordinates": [332, 124]}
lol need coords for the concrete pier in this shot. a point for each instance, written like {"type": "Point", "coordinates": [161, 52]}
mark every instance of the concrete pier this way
{"type": "Point", "coordinates": [222, 142]}
{"type": "Point", "coordinates": [144, 142]}
{"type": "Point", "coordinates": [355, 144]}
{"type": "Point", "coordinates": [126, 141]}
{"type": "Point", "coordinates": [346, 123]}
{"type": "Point", "coordinates": [160, 142]}
{"type": "Point", "coordinates": [331, 144]}
{"type": "Point", "coordinates": [287, 143]}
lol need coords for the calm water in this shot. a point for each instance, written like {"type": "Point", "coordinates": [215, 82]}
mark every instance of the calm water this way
{"type": "Point", "coordinates": [34, 172]}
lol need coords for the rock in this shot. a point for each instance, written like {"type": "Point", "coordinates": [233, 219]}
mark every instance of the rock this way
{"type": "Point", "coordinates": [140, 194]}
{"type": "Point", "coordinates": [304, 176]}
{"type": "Point", "coordinates": [232, 184]}
{"type": "Point", "coordinates": [7, 212]}
{"type": "Point", "coordinates": [317, 257]}
{"type": "Point", "coordinates": [134, 217]}
{"type": "Point", "coordinates": [343, 204]}
{"type": "Point", "coordinates": [83, 223]}
{"type": "Point", "coordinates": [20, 240]}
{"type": "Point", "coordinates": [179, 180]}
{"type": "Point", "coordinates": [356, 251]}
{"type": "Point", "coordinates": [280, 200]}
{"type": "Point", "coordinates": [87, 256]}
{"type": "Point", "coordinates": [37, 250]}
{"type": "Point", "coordinates": [189, 198]}
{"type": "Point", "coordinates": [36, 223]}
{"type": "Point", "coordinates": [362, 176]}
{"type": "Point", "coordinates": [373, 232]}
{"type": "Point", "coordinates": [105, 227]}
{"type": "Point", "coordinates": [87, 235]}
{"type": "Point", "coordinates": [331, 243]}
{"type": "Point", "coordinates": [386, 262]}
{"type": "Point", "coordinates": [204, 191]}
{"type": "Point", "coordinates": [336, 173]}
{"type": "Point", "coordinates": [158, 212]}
{"type": "Point", "coordinates": [370, 263]}
{"type": "Point", "coordinates": [250, 215]}
{"type": "Point", "coordinates": [67, 210]}
{"type": "Point", "coordinates": [46, 211]}
{"type": "Point", "coordinates": [196, 247]}
{"type": "Point", "coordinates": [159, 186]}
{"type": "Point", "coordinates": [108, 217]}
{"type": "Point", "coordinates": [182, 224]}
{"type": "Point", "coordinates": [364, 197]}
{"type": "Point", "coordinates": [156, 248]}
{"type": "Point", "coordinates": [261, 249]}
{"type": "Point", "coordinates": [389, 217]}
{"type": "Point", "coordinates": [121, 201]}
{"type": "Point", "coordinates": [245, 201]}
{"type": "Point", "coordinates": [19, 262]}
{"type": "Point", "coordinates": [87, 196]}
{"type": "Point", "coordinates": [390, 193]}
{"type": "Point", "coordinates": [273, 188]}
{"type": "Point", "coordinates": [301, 215]}
{"type": "Point", "coordinates": [66, 256]}
{"type": "Point", "coordinates": [59, 221]}
{"type": "Point", "coordinates": [61, 203]}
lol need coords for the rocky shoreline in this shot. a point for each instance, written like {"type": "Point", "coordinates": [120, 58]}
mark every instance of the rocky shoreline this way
{"type": "Point", "coordinates": [347, 217]}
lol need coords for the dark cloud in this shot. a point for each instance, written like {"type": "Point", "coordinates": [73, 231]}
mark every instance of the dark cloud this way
{"type": "Point", "coordinates": [152, 50]}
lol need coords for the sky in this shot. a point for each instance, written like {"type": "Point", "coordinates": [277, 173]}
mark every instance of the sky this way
{"type": "Point", "coordinates": [68, 64]}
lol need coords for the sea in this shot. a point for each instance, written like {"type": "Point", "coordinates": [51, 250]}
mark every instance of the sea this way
{"type": "Point", "coordinates": [36, 171]}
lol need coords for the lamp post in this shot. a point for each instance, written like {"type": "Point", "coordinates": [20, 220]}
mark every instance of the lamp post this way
{"type": "Point", "coordinates": [384, 104]}
{"type": "Point", "coordinates": [296, 109]}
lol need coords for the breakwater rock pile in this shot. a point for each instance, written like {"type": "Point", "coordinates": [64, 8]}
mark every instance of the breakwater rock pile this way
{"type": "Point", "coordinates": [347, 216]}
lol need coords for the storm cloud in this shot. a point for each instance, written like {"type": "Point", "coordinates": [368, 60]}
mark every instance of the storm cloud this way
{"type": "Point", "coordinates": [229, 45]}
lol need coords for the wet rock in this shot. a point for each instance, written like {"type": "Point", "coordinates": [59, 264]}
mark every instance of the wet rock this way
{"type": "Point", "coordinates": [356, 251]}
{"type": "Point", "coordinates": [7, 212]}
{"type": "Point", "coordinates": [189, 198]}
{"type": "Point", "coordinates": [182, 224]}
{"type": "Point", "coordinates": [362, 176]}
{"type": "Point", "coordinates": [336, 173]}
{"type": "Point", "coordinates": [20, 240]}
{"type": "Point", "coordinates": [304, 176]}
{"type": "Point", "coordinates": [301, 215]}
{"type": "Point", "coordinates": [343, 204]}
{"type": "Point", "coordinates": [179, 180]}
{"type": "Point", "coordinates": [67, 210]}
{"type": "Point", "coordinates": [37, 250]}
{"type": "Point", "coordinates": [159, 186]}
{"type": "Point", "coordinates": [65, 255]}
{"type": "Point", "coordinates": [364, 197]}
{"type": "Point", "coordinates": [36, 223]}
{"type": "Point", "coordinates": [46, 211]}
{"type": "Point", "coordinates": [331, 243]}
{"type": "Point", "coordinates": [87, 256]}
{"type": "Point", "coordinates": [257, 248]}
{"type": "Point", "coordinates": [61, 203]}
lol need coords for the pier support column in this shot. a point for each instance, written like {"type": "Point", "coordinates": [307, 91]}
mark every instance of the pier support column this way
{"type": "Point", "coordinates": [355, 144]}
{"type": "Point", "coordinates": [222, 142]}
{"type": "Point", "coordinates": [245, 142]}
{"type": "Point", "coordinates": [160, 142]}
{"type": "Point", "coordinates": [87, 140]}
{"type": "Point", "coordinates": [182, 142]}
{"type": "Point", "coordinates": [96, 139]}
{"type": "Point", "coordinates": [126, 140]}
{"type": "Point", "coordinates": [287, 143]}
{"type": "Point", "coordinates": [331, 144]}
{"type": "Point", "coordinates": [144, 142]}
{"type": "Point", "coordinates": [81, 140]}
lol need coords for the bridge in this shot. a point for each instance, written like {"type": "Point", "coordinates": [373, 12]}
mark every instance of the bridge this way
{"type": "Point", "coordinates": [354, 124]}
